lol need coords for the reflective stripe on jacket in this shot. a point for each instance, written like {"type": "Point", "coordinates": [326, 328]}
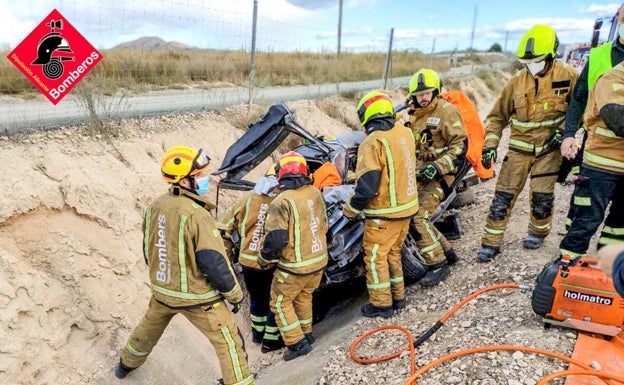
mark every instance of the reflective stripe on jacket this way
{"type": "Point", "coordinates": [174, 228]}
{"type": "Point", "coordinates": [603, 149]}
{"type": "Point", "coordinates": [533, 107]}
{"type": "Point", "coordinates": [392, 154]}
{"type": "Point", "coordinates": [301, 212]}
{"type": "Point", "coordinates": [248, 217]}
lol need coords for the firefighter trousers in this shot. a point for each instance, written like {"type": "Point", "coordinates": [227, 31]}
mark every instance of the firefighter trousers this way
{"type": "Point", "coordinates": [263, 326]}
{"type": "Point", "coordinates": [430, 243]}
{"type": "Point", "coordinates": [592, 195]}
{"type": "Point", "coordinates": [514, 172]}
{"type": "Point", "coordinates": [291, 302]}
{"type": "Point", "coordinates": [383, 240]}
{"type": "Point", "coordinates": [214, 321]}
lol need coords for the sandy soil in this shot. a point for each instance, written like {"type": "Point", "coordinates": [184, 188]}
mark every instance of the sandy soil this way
{"type": "Point", "coordinates": [72, 279]}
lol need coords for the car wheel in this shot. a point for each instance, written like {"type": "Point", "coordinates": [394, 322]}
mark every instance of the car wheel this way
{"type": "Point", "coordinates": [413, 263]}
{"type": "Point", "coordinates": [463, 198]}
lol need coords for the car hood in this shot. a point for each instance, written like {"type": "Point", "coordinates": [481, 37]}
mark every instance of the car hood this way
{"type": "Point", "coordinates": [260, 140]}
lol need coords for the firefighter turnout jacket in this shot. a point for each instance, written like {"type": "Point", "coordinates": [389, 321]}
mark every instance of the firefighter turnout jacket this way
{"type": "Point", "coordinates": [604, 148]}
{"type": "Point", "coordinates": [247, 218]}
{"type": "Point", "coordinates": [295, 231]}
{"type": "Point", "coordinates": [386, 175]}
{"type": "Point", "coordinates": [439, 128]}
{"type": "Point", "coordinates": [185, 254]}
{"type": "Point", "coordinates": [534, 107]}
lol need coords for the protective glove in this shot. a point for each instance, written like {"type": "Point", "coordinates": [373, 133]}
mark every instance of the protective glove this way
{"type": "Point", "coordinates": [236, 307]}
{"type": "Point", "coordinates": [554, 140]}
{"type": "Point", "coordinates": [426, 153]}
{"type": "Point", "coordinates": [428, 173]}
{"type": "Point", "coordinates": [488, 156]}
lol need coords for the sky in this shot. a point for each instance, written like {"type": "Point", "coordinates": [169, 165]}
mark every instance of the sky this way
{"type": "Point", "coordinates": [311, 25]}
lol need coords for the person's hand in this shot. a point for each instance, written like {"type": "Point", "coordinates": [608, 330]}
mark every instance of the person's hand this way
{"type": "Point", "coordinates": [569, 148]}
{"type": "Point", "coordinates": [488, 156]}
{"type": "Point", "coordinates": [428, 173]}
{"type": "Point", "coordinates": [554, 140]}
{"type": "Point", "coordinates": [236, 307]}
{"type": "Point", "coordinates": [607, 255]}
{"type": "Point", "coordinates": [426, 153]}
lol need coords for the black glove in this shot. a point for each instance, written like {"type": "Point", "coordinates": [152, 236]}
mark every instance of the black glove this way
{"type": "Point", "coordinates": [236, 307]}
{"type": "Point", "coordinates": [554, 140]}
{"type": "Point", "coordinates": [428, 173]}
{"type": "Point", "coordinates": [488, 156]}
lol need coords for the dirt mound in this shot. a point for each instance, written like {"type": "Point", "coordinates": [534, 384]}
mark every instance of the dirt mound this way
{"type": "Point", "coordinates": [73, 282]}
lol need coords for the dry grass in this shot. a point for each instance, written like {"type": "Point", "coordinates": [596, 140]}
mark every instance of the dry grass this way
{"type": "Point", "coordinates": [134, 70]}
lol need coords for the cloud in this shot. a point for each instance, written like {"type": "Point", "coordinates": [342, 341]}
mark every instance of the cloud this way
{"type": "Point", "coordinates": [602, 9]}
{"type": "Point", "coordinates": [329, 4]}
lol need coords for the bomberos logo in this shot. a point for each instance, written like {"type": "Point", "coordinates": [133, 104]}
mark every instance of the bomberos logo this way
{"type": "Point", "coordinates": [54, 57]}
{"type": "Point", "coordinates": [591, 298]}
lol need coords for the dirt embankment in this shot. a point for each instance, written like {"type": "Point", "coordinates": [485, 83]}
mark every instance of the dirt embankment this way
{"type": "Point", "coordinates": [72, 279]}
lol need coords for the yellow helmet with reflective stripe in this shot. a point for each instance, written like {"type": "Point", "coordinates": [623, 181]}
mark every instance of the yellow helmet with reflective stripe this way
{"type": "Point", "coordinates": [424, 80]}
{"type": "Point", "coordinates": [374, 105]}
{"type": "Point", "coordinates": [537, 44]}
{"type": "Point", "coordinates": [181, 161]}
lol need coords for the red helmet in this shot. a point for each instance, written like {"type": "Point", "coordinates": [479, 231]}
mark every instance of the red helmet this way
{"type": "Point", "coordinates": [291, 164]}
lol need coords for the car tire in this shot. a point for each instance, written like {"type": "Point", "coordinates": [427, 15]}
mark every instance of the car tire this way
{"type": "Point", "coordinates": [413, 265]}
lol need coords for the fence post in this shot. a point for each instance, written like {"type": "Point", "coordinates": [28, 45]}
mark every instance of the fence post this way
{"type": "Point", "coordinates": [252, 64]}
{"type": "Point", "coordinates": [388, 68]}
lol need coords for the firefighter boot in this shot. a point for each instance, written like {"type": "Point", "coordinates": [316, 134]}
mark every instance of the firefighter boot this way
{"type": "Point", "coordinates": [451, 257]}
{"type": "Point", "coordinates": [398, 304]}
{"type": "Point", "coordinates": [256, 336]}
{"type": "Point", "coordinates": [532, 241]}
{"type": "Point", "coordinates": [301, 348]}
{"type": "Point", "coordinates": [310, 338]}
{"type": "Point", "coordinates": [370, 310]}
{"type": "Point", "coordinates": [269, 346]}
{"type": "Point", "coordinates": [435, 274]}
{"type": "Point", "coordinates": [121, 370]}
{"type": "Point", "coordinates": [487, 253]}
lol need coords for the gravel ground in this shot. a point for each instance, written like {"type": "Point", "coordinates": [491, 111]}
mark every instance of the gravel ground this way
{"type": "Point", "coordinates": [499, 317]}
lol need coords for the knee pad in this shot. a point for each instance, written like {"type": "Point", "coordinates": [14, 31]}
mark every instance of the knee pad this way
{"type": "Point", "coordinates": [500, 204]}
{"type": "Point", "coordinates": [542, 205]}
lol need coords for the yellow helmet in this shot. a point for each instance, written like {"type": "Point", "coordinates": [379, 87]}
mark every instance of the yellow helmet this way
{"type": "Point", "coordinates": [424, 80]}
{"type": "Point", "coordinates": [374, 105]}
{"type": "Point", "coordinates": [181, 161]}
{"type": "Point", "coordinates": [537, 44]}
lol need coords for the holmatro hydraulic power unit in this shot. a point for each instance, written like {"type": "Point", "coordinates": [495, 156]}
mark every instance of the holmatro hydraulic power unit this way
{"type": "Point", "coordinates": [576, 294]}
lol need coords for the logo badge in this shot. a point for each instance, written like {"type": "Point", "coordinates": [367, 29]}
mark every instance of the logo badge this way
{"type": "Point", "coordinates": [54, 57]}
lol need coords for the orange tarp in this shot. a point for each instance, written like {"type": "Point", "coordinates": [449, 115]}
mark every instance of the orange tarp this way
{"type": "Point", "coordinates": [608, 354]}
{"type": "Point", "coordinates": [474, 131]}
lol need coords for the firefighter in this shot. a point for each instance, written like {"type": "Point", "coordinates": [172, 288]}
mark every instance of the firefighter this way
{"type": "Point", "coordinates": [244, 233]}
{"type": "Point", "coordinates": [295, 231]}
{"type": "Point", "coordinates": [440, 138]}
{"type": "Point", "coordinates": [601, 180]}
{"type": "Point", "coordinates": [189, 271]}
{"type": "Point", "coordinates": [601, 59]}
{"type": "Point", "coordinates": [533, 103]}
{"type": "Point", "coordinates": [386, 193]}
{"type": "Point", "coordinates": [611, 261]}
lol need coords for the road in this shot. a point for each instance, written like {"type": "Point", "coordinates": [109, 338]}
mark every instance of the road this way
{"type": "Point", "coordinates": [17, 115]}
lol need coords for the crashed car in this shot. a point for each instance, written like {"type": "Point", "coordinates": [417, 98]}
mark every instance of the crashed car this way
{"type": "Point", "coordinates": [345, 248]}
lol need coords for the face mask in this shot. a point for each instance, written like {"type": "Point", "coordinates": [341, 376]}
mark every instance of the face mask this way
{"type": "Point", "coordinates": [203, 184]}
{"type": "Point", "coordinates": [535, 68]}
{"type": "Point", "coordinates": [621, 30]}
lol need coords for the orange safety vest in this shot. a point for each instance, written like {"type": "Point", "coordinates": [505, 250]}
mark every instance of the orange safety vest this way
{"type": "Point", "coordinates": [326, 175]}
{"type": "Point", "coordinates": [475, 132]}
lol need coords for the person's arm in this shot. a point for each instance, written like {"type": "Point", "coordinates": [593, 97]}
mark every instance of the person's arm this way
{"type": "Point", "coordinates": [368, 173]}
{"type": "Point", "coordinates": [576, 108]}
{"type": "Point", "coordinates": [454, 133]}
{"type": "Point", "coordinates": [276, 232]}
{"type": "Point", "coordinates": [611, 261]}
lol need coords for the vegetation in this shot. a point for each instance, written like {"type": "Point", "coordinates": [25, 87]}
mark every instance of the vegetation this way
{"type": "Point", "coordinates": [135, 70]}
{"type": "Point", "coordinates": [496, 48]}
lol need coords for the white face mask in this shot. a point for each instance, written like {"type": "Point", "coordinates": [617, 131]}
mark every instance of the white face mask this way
{"type": "Point", "coordinates": [535, 68]}
{"type": "Point", "coordinates": [621, 30]}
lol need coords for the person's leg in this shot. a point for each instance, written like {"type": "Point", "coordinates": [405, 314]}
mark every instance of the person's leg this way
{"type": "Point", "coordinates": [376, 250]}
{"type": "Point", "coordinates": [429, 196]}
{"type": "Point", "coordinates": [216, 323]}
{"type": "Point", "coordinates": [613, 230]}
{"type": "Point", "coordinates": [595, 190]}
{"type": "Point", "coordinates": [303, 301]}
{"type": "Point", "coordinates": [397, 284]}
{"type": "Point", "coordinates": [542, 198]}
{"type": "Point", "coordinates": [258, 302]}
{"type": "Point", "coordinates": [284, 290]}
{"type": "Point", "coordinates": [146, 335]}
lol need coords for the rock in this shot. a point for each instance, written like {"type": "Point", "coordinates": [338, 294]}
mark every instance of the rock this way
{"type": "Point", "coordinates": [518, 355]}
{"type": "Point", "coordinates": [453, 380]}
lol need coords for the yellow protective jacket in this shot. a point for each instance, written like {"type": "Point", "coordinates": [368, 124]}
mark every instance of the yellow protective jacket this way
{"type": "Point", "coordinates": [296, 228]}
{"type": "Point", "coordinates": [184, 251]}
{"type": "Point", "coordinates": [386, 175]}
{"type": "Point", "coordinates": [247, 217]}
{"type": "Point", "coordinates": [534, 107]}
{"type": "Point", "coordinates": [439, 125]}
{"type": "Point", "coordinates": [604, 150]}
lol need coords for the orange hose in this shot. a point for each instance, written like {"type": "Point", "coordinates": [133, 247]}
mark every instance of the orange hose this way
{"type": "Point", "coordinates": [602, 375]}
{"type": "Point", "coordinates": [366, 361]}
{"type": "Point", "coordinates": [476, 294]}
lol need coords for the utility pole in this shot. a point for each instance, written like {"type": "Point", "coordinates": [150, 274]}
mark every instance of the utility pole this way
{"type": "Point", "coordinates": [506, 40]}
{"type": "Point", "coordinates": [388, 68]}
{"type": "Point", "coordinates": [252, 64]}
{"type": "Point", "coordinates": [431, 56]}
{"type": "Point", "coordinates": [339, 27]}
